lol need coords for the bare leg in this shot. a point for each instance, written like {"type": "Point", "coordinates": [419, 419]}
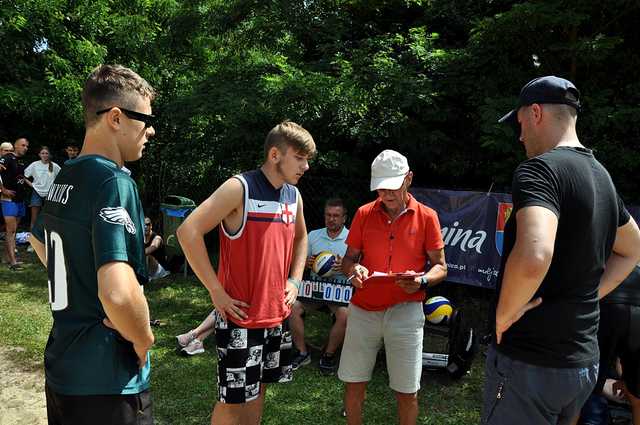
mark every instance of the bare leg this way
{"type": "Point", "coordinates": [297, 326]}
{"type": "Point", "coordinates": [354, 400]}
{"type": "Point", "coordinates": [252, 414]}
{"type": "Point", "coordinates": [205, 328]}
{"type": "Point", "coordinates": [11, 224]}
{"type": "Point", "coordinates": [339, 328]}
{"type": "Point", "coordinates": [152, 265]}
{"type": "Point", "coordinates": [239, 414]}
{"type": "Point", "coordinates": [226, 414]}
{"type": "Point", "coordinates": [34, 215]}
{"type": "Point", "coordinates": [407, 408]}
{"type": "Point", "coordinates": [205, 334]}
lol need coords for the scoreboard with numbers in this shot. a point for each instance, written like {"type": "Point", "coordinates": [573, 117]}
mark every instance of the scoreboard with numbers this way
{"type": "Point", "coordinates": [325, 291]}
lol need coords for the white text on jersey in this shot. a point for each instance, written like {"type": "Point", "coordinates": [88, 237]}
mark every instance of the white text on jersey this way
{"type": "Point", "coordinates": [59, 193]}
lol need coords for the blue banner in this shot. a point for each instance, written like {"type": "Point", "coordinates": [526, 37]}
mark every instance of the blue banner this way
{"type": "Point", "coordinates": [472, 228]}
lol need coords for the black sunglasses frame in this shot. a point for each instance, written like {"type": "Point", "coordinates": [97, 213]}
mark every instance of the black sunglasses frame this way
{"type": "Point", "coordinates": [148, 120]}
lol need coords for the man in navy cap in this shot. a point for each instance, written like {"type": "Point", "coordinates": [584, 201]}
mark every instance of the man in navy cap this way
{"type": "Point", "coordinates": [569, 236]}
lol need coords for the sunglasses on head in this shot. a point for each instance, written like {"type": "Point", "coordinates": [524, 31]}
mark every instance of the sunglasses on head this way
{"type": "Point", "coordinates": [148, 120]}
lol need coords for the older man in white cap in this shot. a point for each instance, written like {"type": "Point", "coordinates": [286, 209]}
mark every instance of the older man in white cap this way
{"type": "Point", "coordinates": [397, 236]}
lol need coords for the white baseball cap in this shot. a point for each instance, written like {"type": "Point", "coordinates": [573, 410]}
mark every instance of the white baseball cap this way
{"type": "Point", "coordinates": [388, 170]}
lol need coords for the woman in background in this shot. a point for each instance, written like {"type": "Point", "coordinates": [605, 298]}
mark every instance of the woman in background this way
{"type": "Point", "coordinates": [43, 173]}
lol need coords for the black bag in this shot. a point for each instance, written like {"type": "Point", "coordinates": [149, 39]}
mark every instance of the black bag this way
{"type": "Point", "coordinates": [462, 345]}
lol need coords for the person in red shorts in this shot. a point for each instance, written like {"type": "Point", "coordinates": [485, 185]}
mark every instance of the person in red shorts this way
{"type": "Point", "coordinates": [393, 234]}
{"type": "Point", "coordinates": [263, 249]}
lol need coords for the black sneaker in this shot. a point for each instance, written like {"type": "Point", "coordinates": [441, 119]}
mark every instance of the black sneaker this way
{"type": "Point", "coordinates": [328, 364]}
{"type": "Point", "coordinates": [300, 360]}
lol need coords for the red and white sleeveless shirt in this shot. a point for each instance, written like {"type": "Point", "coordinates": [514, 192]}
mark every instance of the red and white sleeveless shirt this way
{"type": "Point", "coordinates": [255, 261]}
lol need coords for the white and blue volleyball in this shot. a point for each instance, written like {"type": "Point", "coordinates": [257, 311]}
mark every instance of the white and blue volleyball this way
{"type": "Point", "coordinates": [437, 310]}
{"type": "Point", "coordinates": [323, 264]}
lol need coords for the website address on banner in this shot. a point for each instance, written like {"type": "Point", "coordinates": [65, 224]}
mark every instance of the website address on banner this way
{"type": "Point", "coordinates": [460, 267]}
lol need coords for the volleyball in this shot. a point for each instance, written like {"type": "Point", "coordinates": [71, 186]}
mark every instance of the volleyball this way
{"type": "Point", "coordinates": [323, 264]}
{"type": "Point", "coordinates": [437, 310]}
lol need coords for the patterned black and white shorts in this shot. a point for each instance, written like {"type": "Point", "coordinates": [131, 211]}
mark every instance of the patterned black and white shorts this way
{"type": "Point", "coordinates": [249, 357]}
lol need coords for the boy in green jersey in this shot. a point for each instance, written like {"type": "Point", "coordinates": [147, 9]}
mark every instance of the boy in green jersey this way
{"type": "Point", "coordinates": [90, 236]}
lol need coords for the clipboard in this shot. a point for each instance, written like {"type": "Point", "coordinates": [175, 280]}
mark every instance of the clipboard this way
{"type": "Point", "coordinates": [380, 278]}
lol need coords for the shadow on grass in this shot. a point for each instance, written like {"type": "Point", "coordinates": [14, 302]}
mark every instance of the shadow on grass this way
{"type": "Point", "coordinates": [32, 280]}
{"type": "Point", "coordinates": [25, 319]}
{"type": "Point", "coordinates": [184, 389]}
{"type": "Point", "coordinates": [178, 296]}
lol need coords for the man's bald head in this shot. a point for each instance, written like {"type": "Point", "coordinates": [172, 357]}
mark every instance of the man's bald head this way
{"type": "Point", "coordinates": [20, 146]}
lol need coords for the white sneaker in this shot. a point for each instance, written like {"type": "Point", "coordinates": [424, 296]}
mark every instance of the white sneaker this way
{"type": "Point", "coordinates": [193, 348]}
{"type": "Point", "coordinates": [159, 274]}
{"type": "Point", "coordinates": [29, 248]}
{"type": "Point", "coordinates": [185, 339]}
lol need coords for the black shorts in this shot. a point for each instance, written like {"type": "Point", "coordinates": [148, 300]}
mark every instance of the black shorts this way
{"type": "Point", "coordinates": [249, 357]}
{"type": "Point", "coordinates": [618, 337]}
{"type": "Point", "coordinates": [129, 409]}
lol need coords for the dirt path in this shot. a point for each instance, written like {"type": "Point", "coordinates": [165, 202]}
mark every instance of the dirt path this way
{"type": "Point", "coordinates": [22, 399]}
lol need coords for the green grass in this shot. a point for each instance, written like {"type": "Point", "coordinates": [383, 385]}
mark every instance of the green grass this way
{"type": "Point", "coordinates": [184, 389]}
{"type": "Point", "coordinates": [25, 318]}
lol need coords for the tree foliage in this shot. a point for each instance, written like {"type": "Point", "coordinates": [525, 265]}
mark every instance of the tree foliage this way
{"type": "Point", "coordinates": [427, 77]}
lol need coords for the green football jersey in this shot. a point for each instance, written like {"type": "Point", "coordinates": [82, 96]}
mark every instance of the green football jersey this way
{"type": "Point", "coordinates": [92, 216]}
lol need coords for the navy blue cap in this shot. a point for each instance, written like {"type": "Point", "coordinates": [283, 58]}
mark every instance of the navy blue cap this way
{"type": "Point", "coordinates": [549, 89]}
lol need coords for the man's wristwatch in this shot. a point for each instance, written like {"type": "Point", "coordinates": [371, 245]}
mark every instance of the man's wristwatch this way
{"type": "Point", "coordinates": [424, 282]}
